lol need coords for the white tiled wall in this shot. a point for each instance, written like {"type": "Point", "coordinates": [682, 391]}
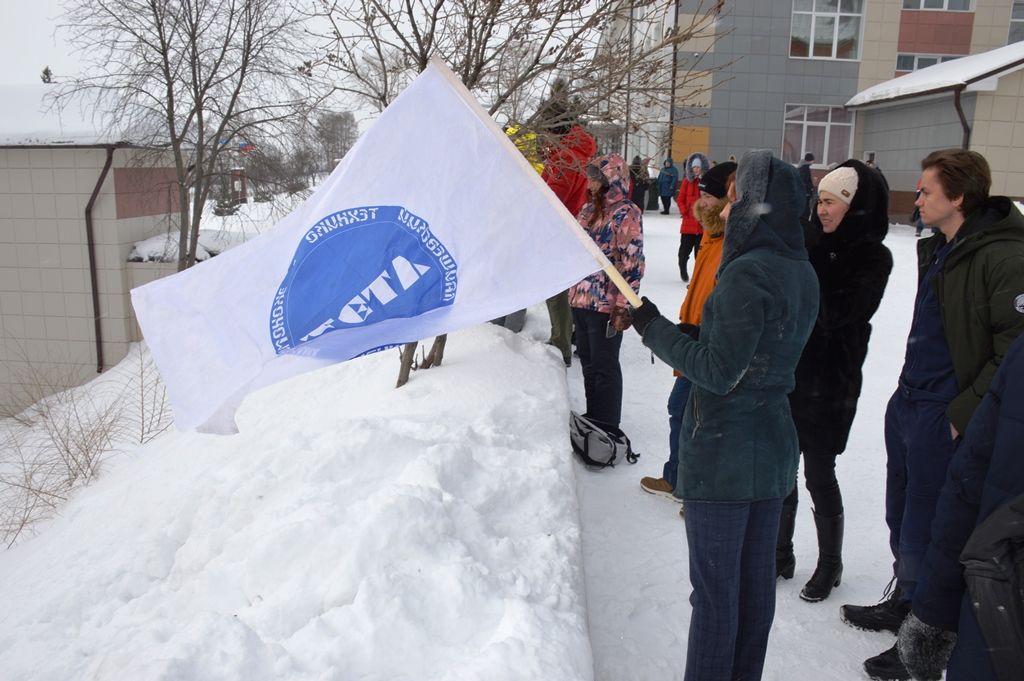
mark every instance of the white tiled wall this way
{"type": "Point", "coordinates": [46, 313]}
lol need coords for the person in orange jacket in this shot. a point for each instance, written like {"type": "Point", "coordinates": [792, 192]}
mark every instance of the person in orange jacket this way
{"type": "Point", "coordinates": [713, 186]}
{"type": "Point", "coordinates": [690, 231]}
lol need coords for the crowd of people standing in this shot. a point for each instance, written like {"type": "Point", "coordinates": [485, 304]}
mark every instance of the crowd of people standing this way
{"type": "Point", "coordinates": [768, 350]}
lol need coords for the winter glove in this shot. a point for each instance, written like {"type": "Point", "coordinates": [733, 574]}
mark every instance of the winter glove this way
{"type": "Point", "coordinates": [924, 649]}
{"type": "Point", "coordinates": [644, 315]}
{"type": "Point", "coordinates": [620, 319]}
{"type": "Point", "coordinates": [691, 330]}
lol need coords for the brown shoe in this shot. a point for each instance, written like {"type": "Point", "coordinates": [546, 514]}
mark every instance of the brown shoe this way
{"type": "Point", "coordinates": [660, 487]}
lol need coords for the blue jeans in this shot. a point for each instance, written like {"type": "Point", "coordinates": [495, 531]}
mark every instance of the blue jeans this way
{"type": "Point", "coordinates": [732, 572]}
{"type": "Point", "coordinates": [918, 447]}
{"type": "Point", "coordinates": [676, 404]}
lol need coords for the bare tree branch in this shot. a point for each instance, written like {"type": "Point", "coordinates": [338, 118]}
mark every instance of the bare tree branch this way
{"type": "Point", "coordinates": [191, 77]}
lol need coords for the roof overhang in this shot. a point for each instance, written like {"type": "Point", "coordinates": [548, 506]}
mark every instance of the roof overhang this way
{"type": "Point", "coordinates": [974, 73]}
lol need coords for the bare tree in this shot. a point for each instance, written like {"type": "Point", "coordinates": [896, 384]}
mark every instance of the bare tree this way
{"type": "Point", "coordinates": [616, 57]}
{"type": "Point", "coordinates": [193, 78]}
{"type": "Point", "coordinates": [335, 134]}
{"type": "Point", "coordinates": [613, 62]}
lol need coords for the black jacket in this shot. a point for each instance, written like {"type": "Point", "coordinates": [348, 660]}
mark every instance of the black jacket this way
{"type": "Point", "coordinates": [853, 268]}
{"type": "Point", "coordinates": [986, 472]}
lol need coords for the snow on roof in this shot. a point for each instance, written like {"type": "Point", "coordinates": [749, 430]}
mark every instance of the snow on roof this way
{"type": "Point", "coordinates": [27, 118]}
{"type": "Point", "coordinates": [976, 72]}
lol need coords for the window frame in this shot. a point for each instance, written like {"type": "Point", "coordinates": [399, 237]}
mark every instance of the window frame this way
{"type": "Point", "coordinates": [1013, 21]}
{"type": "Point", "coordinates": [837, 15]}
{"type": "Point", "coordinates": [940, 59]}
{"type": "Point", "coordinates": [823, 161]}
{"type": "Point", "coordinates": [944, 8]}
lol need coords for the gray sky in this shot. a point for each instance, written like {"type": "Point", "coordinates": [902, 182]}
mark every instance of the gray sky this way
{"type": "Point", "coordinates": [27, 42]}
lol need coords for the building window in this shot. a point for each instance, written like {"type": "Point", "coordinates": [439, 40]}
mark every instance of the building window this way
{"type": "Point", "coordinates": [826, 29]}
{"type": "Point", "coordinates": [1016, 23]}
{"type": "Point", "coordinates": [951, 5]}
{"type": "Point", "coordinates": [825, 131]}
{"type": "Point", "coordinates": [913, 62]}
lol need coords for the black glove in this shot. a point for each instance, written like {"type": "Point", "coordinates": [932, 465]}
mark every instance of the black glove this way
{"type": "Point", "coordinates": [691, 330]}
{"type": "Point", "coordinates": [924, 649]}
{"type": "Point", "coordinates": [643, 315]}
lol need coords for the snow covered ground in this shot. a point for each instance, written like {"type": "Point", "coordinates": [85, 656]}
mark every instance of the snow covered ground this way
{"type": "Point", "coordinates": [440, 531]}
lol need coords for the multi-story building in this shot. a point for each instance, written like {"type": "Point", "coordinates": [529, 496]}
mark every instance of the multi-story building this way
{"type": "Point", "coordinates": [785, 70]}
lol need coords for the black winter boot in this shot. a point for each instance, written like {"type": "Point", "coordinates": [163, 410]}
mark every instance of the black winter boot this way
{"type": "Point", "coordinates": [785, 561]}
{"type": "Point", "coordinates": [885, 616]}
{"type": "Point", "coordinates": [829, 572]}
{"type": "Point", "coordinates": [887, 666]}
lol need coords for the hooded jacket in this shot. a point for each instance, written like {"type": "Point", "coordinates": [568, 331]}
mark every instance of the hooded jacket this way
{"type": "Point", "coordinates": [689, 192]}
{"type": "Point", "coordinates": [668, 176]}
{"type": "Point", "coordinates": [853, 268]}
{"type": "Point", "coordinates": [738, 441]}
{"type": "Point", "coordinates": [705, 270]}
{"type": "Point", "coordinates": [618, 232]}
{"type": "Point", "coordinates": [980, 290]}
{"type": "Point", "coordinates": [564, 167]}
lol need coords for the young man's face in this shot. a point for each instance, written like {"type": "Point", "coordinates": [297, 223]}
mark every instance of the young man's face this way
{"type": "Point", "coordinates": [937, 210]}
{"type": "Point", "coordinates": [706, 200]}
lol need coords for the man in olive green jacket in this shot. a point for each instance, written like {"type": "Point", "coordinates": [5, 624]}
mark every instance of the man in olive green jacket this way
{"type": "Point", "coordinates": [981, 294]}
{"type": "Point", "coordinates": [969, 310]}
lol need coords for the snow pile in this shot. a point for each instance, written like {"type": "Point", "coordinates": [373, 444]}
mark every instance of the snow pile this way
{"type": "Point", "coordinates": [350, 530]}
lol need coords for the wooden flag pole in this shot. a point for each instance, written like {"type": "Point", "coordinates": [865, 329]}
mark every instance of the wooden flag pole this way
{"type": "Point", "coordinates": [620, 283]}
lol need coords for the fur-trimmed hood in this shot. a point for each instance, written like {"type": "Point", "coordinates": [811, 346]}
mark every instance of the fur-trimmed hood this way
{"type": "Point", "coordinates": [705, 165]}
{"type": "Point", "coordinates": [615, 170]}
{"type": "Point", "coordinates": [766, 214]}
{"type": "Point", "coordinates": [868, 216]}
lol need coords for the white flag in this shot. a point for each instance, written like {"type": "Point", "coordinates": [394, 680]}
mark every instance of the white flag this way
{"type": "Point", "coordinates": [431, 223]}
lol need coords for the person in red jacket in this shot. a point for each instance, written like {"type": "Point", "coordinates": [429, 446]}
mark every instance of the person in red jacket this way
{"type": "Point", "coordinates": [567, 151]}
{"type": "Point", "coordinates": [690, 231]}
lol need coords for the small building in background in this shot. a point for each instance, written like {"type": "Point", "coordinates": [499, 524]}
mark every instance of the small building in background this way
{"type": "Point", "coordinates": [73, 201]}
{"type": "Point", "coordinates": [975, 102]}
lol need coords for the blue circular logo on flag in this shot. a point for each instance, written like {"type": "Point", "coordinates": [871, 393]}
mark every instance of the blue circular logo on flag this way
{"type": "Point", "coordinates": [358, 267]}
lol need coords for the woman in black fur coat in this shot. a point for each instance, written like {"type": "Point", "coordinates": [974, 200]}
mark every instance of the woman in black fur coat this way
{"type": "Point", "coordinates": [844, 243]}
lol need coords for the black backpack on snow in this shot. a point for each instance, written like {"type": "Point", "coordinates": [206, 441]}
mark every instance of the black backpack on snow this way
{"type": "Point", "coordinates": [597, 447]}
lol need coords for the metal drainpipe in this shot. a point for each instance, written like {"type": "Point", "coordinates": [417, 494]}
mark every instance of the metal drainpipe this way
{"type": "Point", "coordinates": [91, 247]}
{"type": "Point", "coordinates": [966, 144]}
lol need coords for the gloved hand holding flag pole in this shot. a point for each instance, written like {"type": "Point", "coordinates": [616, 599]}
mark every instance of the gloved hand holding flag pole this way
{"type": "Point", "coordinates": [397, 245]}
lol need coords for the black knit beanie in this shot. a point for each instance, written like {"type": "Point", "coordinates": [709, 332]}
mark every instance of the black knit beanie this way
{"type": "Point", "coordinates": [714, 181]}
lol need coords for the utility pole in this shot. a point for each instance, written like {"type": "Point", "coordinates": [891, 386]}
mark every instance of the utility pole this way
{"type": "Point", "coordinates": [675, 65]}
{"type": "Point", "coordinates": [629, 85]}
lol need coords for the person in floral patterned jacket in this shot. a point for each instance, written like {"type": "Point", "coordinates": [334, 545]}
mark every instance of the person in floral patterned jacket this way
{"type": "Point", "coordinates": [599, 309]}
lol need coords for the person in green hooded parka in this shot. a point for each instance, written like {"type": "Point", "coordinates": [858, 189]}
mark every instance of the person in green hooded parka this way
{"type": "Point", "coordinates": [738, 444]}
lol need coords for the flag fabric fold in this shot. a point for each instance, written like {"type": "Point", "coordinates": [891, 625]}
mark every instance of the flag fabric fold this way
{"type": "Point", "coordinates": [432, 222]}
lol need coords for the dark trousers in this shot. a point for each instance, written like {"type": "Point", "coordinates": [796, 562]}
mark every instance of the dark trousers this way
{"type": "Point", "coordinates": [732, 572]}
{"type": "Point", "coordinates": [666, 202]}
{"type": "Point", "coordinates": [918, 447]}
{"type": "Point", "coordinates": [676, 404]}
{"type": "Point", "coordinates": [599, 358]}
{"type": "Point", "coordinates": [687, 243]}
{"type": "Point", "coordinates": [638, 196]}
{"type": "Point", "coordinates": [821, 482]}
{"type": "Point", "coordinates": [561, 323]}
